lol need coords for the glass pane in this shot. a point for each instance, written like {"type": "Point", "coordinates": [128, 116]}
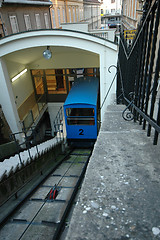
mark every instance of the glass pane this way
{"type": "Point", "coordinates": [49, 71]}
{"type": "Point", "coordinates": [37, 72]}
{"type": "Point", "coordinates": [84, 112]}
{"type": "Point", "coordinates": [80, 121]}
{"type": "Point", "coordinates": [39, 85]}
{"type": "Point", "coordinates": [90, 72]}
{"type": "Point", "coordinates": [51, 84]}
{"type": "Point", "coordinates": [28, 121]}
{"type": "Point", "coordinates": [60, 83]}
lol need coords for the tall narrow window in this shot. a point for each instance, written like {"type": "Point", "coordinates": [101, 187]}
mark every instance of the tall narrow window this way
{"type": "Point", "coordinates": [77, 13]}
{"type": "Point", "coordinates": [64, 16]}
{"type": "Point", "coordinates": [125, 10]}
{"type": "Point", "coordinates": [59, 78]}
{"type": "Point", "coordinates": [70, 17]}
{"type": "Point", "coordinates": [46, 20]}
{"type": "Point", "coordinates": [74, 17]}
{"type": "Point", "coordinates": [14, 24]}
{"type": "Point", "coordinates": [135, 7]}
{"type": "Point", "coordinates": [59, 17]}
{"type": "Point", "coordinates": [53, 18]}
{"type": "Point", "coordinates": [81, 13]}
{"type": "Point", "coordinates": [27, 22]}
{"type": "Point", "coordinates": [38, 21]}
{"type": "Point", "coordinates": [38, 81]}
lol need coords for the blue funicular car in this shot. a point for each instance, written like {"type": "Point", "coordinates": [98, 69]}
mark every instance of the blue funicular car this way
{"type": "Point", "coordinates": [80, 110]}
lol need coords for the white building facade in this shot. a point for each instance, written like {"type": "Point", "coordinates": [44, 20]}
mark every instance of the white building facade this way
{"type": "Point", "coordinates": [111, 7]}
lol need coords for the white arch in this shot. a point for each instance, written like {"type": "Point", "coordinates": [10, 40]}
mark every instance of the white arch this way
{"type": "Point", "coordinates": [57, 37]}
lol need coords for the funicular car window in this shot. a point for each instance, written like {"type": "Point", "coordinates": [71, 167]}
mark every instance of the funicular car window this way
{"type": "Point", "coordinates": [80, 116]}
{"type": "Point", "coordinates": [83, 112]}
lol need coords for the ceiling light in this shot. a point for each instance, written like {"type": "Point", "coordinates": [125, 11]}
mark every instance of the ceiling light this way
{"type": "Point", "coordinates": [19, 74]}
{"type": "Point", "coordinates": [47, 53]}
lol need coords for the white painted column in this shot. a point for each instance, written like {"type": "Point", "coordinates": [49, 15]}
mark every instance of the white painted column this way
{"type": "Point", "coordinates": [7, 99]}
{"type": "Point", "coordinates": [107, 58]}
{"type": "Point", "coordinates": [102, 81]}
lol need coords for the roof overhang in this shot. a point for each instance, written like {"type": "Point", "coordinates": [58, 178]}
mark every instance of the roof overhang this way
{"type": "Point", "coordinates": [48, 3]}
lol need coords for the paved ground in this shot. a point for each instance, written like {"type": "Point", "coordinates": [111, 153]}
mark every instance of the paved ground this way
{"type": "Point", "coordinates": [120, 195]}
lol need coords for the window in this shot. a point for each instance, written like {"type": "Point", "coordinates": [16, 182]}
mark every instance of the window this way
{"type": "Point", "coordinates": [74, 17]}
{"type": "Point", "coordinates": [135, 7]}
{"type": "Point", "coordinates": [125, 9]}
{"type": "Point", "coordinates": [27, 22]}
{"type": "Point", "coordinates": [38, 21]}
{"type": "Point", "coordinates": [80, 116]}
{"type": "Point", "coordinates": [83, 112]}
{"type": "Point", "coordinates": [14, 24]}
{"type": "Point", "coordinates": [38, 81]}
{"type": "Point", "coordinates": [132, 11]}
{"type": "Point", "coordinates": [59, 81]}
{"type": "Point", "coordinates": [77, 13]}
{"type": "Point", "coordinates": [53, 18]}
{"type": "Point", "coordinates": [112, 19]}
{"type": "Point", "coordinates": [56, 81]}
{"type": "Point", "coordinates": [81, 17]}
{"type": "Point", "coordinates": [59, 78]}
{"type": "Point", "coordinates": [112, 1]}
{"type": "Point", "coordinates": [70, 17]}
{"type": "Point", "coordinates": [64, 16]}
{"type": "Point", "coordinates": [46, 20]}
{"type": "Point", "coordinates": [51, 81]}
{"type": "Point", "coordinates": [59, 17]}
{"type": "Point", "coordinates": [112, 10]}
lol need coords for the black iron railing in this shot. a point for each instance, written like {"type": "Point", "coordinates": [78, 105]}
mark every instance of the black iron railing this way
{"type": "Point", "coordinates": [24, 140]}
{"type": "Point", "coordinates": [138, 77]}
{"type": "Point", "coordinates": [58, 126]}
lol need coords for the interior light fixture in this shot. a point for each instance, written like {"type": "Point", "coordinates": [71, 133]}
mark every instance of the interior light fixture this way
{"type": "Point", "coordinates": [47, 53]}
{"type": "Point", "coordinates": [19, 74]}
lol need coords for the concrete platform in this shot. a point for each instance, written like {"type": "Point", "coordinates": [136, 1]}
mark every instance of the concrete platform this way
{"type": "Point", "coordinates": [120, 195]}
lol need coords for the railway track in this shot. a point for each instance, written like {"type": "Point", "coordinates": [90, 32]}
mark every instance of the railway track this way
{"type": "Point", "coordinates": [43, 213]}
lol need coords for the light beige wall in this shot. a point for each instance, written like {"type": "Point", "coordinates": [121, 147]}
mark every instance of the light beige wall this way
{"type": "Point", "coordinates": [66, 5]}
{"type": "Point", "coordinates": [22, 87]}
{"type": "Point", "coordinates": [67, 60]}
{"type": "Point", "coordinates": [131, 19]}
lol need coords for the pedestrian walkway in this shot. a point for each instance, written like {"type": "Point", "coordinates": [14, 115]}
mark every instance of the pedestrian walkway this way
{"type": "Point", "coordinates": [120, 195]}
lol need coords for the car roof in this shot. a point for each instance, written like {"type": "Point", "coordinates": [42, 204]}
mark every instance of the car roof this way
{"type": "Point", "coordinates": [84, 91]}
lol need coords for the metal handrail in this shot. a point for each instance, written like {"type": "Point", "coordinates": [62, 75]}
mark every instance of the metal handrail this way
{"type": "Point", "coordinates": [109, 86]}
{"type": "Point", "coordinates": [131, 106]}
{"type": "Point", "coordinates": [138, 74]}
{"type": "Point", "coordinates": [58, 125]}
{"type": "Point", "coordinates": [25, 142]}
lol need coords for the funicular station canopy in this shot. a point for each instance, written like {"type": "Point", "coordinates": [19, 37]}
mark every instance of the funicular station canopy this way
{"type": "Point", "coordinates": [46, 83]}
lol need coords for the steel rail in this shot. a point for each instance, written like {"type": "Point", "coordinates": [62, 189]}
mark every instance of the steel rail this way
{"type": "Point", "coordinates": [72, 193]}
{"type": "Point", "coordinates": [59, 228]}
{"type": "Point", "coordinates": [29, 193]}
{"type": "Point", "coordinates": [44, 202]}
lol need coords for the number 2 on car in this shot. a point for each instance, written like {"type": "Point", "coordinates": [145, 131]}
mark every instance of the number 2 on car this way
{"type": "Point", "coordinates": [81, 132]}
